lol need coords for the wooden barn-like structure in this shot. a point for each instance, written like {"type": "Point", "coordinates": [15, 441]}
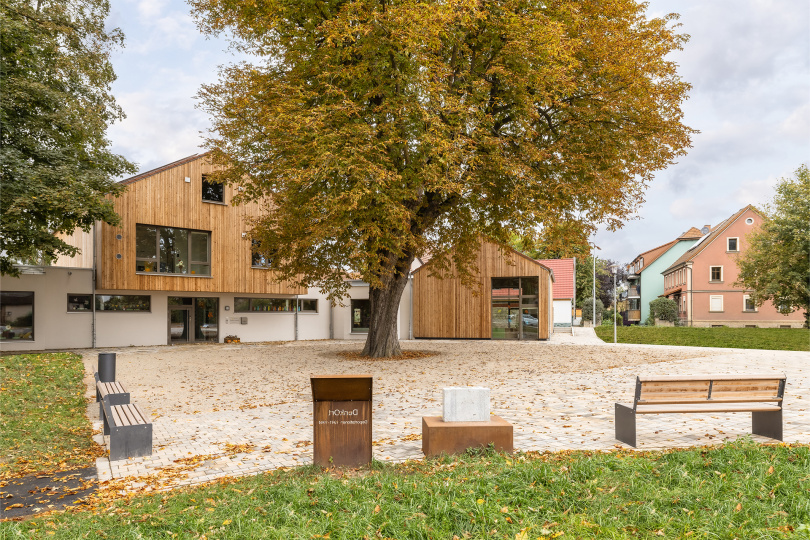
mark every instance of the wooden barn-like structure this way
{"type": "Point", "coordinates": [512, 300]}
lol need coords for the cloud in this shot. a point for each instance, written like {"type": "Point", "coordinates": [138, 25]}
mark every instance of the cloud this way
{"type": "Point", "coordinates": [150, 9]}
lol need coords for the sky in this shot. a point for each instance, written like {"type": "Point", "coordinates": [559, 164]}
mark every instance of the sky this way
{"type": "Point", "coordinates": [747, 60]}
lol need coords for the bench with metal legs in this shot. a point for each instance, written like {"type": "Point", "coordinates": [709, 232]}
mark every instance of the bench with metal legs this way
{"type": "Point", "coordinates": [130, 432]}
{"type": "Point", "coordinates": [761, 395]}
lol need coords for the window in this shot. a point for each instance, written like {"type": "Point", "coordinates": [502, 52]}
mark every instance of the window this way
{"type": "Point", "coordinates": [716, 303]}
{"type": "Point", "coordinates": [634, 303]}
{"type": "Point", "coordinates": [257, 259]}
{"type": "Point", "coordinates": [123, 302]}
{"type": "Point", "coordinates": [307, 306]}
{"type": "Point", "coordinates": [79, 302]}
{"type": "Point", "coordinates": [715, 273]}
{"type": "Point", "coordinates": [361, 316]}
{"type": "Point", "coordinates": [16, 316]}
{"type": "Point", "coordinates": [212, 191]}
{"type": "Point", "coordinates": [172, 250]}
{"type": "Point", "coordinates": [749, 221]}
{"type": "Point", "coordinates": [683, 304]}
{"type": "Point", "coordinates": [247, 305]}
{"type": "Point", "coordinates": [731, 244]}
{"type": "Point", "coordinates": [748, 303]}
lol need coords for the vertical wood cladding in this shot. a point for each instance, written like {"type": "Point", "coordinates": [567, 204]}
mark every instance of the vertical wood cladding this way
{"type": "Point", "coordinates": [165, 199]}
{"type": "Point", "coordinates": [444, 308]}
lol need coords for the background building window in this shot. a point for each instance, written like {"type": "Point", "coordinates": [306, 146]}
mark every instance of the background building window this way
{"type": "Point", "coordinates": [716, 303]}
{"type": "Point", "coordinates": [748, 303]}
{"type": "Point", "coordinates": [716, 273]}
{"type": "Point", "coordinates": [361, 316]}
{"type": "Point", "coordinates": [732, 244]}
{"type": "Point", "coordinates": [212, 191]}
{"type": "Point", "coordinates": [172, 250]}
{"type": "Point", "coordinates": [123, 302]}
{"type": "Point", "coordinates": [17, 316]}
{"type": "Point", "coordinates": [79, 302]}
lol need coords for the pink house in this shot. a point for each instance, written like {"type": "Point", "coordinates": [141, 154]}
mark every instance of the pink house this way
{"type": "Point", "coordinates": [702, 280]}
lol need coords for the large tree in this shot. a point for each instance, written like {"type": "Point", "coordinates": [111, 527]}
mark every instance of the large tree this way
{"type": "Point", "coordinates": [55, 107]}
{"type": "Point", "coordinates": [776, 264]}
{"type": "Point", "coordinates": [379, 130]}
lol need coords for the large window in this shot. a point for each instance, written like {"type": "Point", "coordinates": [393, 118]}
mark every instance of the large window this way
{"type": "Point", "coordinates": [248, 305]}
{"type": "Point", "coordinates": [212, 191]}
{"type": "Point", "coordinates": [123, 302]}
{"type": "Point", "coordinates": [172, 250]}
{"type": "Point", "coordinates": [17, 316]}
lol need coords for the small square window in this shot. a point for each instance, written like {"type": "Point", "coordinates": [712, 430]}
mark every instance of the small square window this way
{"type": "Point", "coordinates": [212, 191]}
{"type": "Point", "coordinates": [732, 244]}
{"type": "Point", "coordinates": [748, 303]}
{"type": "Point", "coordinates": [716, 273]}
{"type": "Point", "coordinates": [79, 302]}
{"type": "Point", "coordinates": [716, 303]}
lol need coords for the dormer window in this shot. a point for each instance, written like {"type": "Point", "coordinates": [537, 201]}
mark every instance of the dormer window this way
{"type": "Point", "coordinates": [212, 191]}
{"type": "Point", "coordinates": [732, 244]}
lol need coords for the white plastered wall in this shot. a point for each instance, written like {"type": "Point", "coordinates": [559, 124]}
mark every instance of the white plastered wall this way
{"type": "Point", "coordinates": [562, 312]}
{"type": "Point", "coordinates": [54, 327]}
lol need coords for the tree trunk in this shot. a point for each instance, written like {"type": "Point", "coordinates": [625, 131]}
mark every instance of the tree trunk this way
{"type": "Point", "coordinates": [382, 340]}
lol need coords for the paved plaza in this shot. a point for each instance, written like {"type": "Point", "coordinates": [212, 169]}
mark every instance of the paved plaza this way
{"type": "Point", "coordinates": [551, 410]}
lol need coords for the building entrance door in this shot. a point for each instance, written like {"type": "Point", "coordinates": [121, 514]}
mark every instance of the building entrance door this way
{"type": "Point", "coordinates": [179, 323]}
{"type": "Point", "coordinates": [193, 319]}
{"type": "Point", "coordinates": [515, 303]}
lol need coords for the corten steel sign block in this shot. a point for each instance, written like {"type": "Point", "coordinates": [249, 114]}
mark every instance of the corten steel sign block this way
{"type": "Point", "coordinates": [341, 420]}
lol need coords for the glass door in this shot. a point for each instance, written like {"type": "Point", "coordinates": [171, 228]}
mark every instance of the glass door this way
{"type": "Point", "coordinates": [206, 317]}
{"type": "Point", "coordinates": [505, 308]}
{"type": "Point", "coordinates": [515, 303]}
{"type": "Point", "coordinates": [179, 318]}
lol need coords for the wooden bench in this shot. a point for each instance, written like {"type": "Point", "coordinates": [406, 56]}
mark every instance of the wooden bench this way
{"type": "Point", "coordinates": [113, 391]}
{"type": "Point", "coordinates": [130, 432]}
{"type": "Point", "coordinates": [760, 394]}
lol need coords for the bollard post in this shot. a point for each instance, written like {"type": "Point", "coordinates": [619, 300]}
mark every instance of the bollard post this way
{"type": "Point", "coordinates": [106, 367]}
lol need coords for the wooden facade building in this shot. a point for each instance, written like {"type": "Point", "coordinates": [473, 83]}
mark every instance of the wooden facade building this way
{"type": "Point", "coordinates": [512, 301]}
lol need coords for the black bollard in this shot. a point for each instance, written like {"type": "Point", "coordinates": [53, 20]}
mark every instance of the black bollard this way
{"type": "Point", "coordinates": [106, 367]}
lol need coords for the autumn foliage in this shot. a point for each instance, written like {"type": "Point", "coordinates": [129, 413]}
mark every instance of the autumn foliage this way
{"type": "Point", "coordinates": [382, 131]}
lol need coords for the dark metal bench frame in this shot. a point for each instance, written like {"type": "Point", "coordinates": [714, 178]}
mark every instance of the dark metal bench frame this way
{"type": "Point", "coordinates": [766, 410]}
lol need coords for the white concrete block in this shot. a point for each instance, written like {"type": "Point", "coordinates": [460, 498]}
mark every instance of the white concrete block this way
{"type": "Point", "coordinates": [466, 404]}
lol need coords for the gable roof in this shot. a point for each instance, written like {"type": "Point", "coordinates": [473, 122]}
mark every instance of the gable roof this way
{"type": "Point", "coordinates": [695, 250]}
{"type": "Point", "coordinates": [171, 165]}
{"type": "Point", "coordinates": [563, 272]}
{"type": "Point", "coordinates": [651, 255]}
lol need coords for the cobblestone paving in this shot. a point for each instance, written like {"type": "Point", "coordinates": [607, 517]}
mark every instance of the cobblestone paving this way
{"type": "Point", "coordinates": [554, 412]}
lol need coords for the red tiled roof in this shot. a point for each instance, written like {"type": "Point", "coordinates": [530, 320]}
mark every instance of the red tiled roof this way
{"type": "Point", "coordinates": [563, 269]}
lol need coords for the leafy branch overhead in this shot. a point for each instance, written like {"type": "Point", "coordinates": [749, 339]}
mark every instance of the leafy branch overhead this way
{"type": "Point", "coordinates": [55, 107]}
{"type": "Point", "coordinates": [384, 129]}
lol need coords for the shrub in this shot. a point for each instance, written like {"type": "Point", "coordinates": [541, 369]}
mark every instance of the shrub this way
{"type": "Point", "coordinates": [665, 309]}
{"type": "Point", "coordinates": [587, 310]}
{"type": "Point", "coordinates": [607, 318]}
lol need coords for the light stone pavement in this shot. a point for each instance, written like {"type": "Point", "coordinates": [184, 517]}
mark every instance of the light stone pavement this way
{"type": "Point", "coordinates": [572, 411]}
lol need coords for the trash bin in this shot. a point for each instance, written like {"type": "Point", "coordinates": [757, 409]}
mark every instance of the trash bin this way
{"type": "Point", "coordinates": [341, 420]}
{"type": "Point", "coordinates": [106, 367]}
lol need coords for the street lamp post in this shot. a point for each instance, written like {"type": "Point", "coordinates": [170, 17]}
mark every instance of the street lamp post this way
{"type": "Point", "coordinates": [614, 269]}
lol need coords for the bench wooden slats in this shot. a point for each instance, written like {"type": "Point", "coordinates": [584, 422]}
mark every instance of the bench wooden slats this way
{"type": "Point", "coordinates": [699, 408]}
{"type": "Point", "coordinates": [143, 419]}
{"type": "Point", "coordinates": [117, 415]}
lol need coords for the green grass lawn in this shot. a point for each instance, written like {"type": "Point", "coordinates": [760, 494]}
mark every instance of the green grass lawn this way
{"type": "Point", "coordinates": [782, 339]}
{"type": "Point", "coordinates": [42, 411]}
{"type": "Point", "coordinates": [741, 490]}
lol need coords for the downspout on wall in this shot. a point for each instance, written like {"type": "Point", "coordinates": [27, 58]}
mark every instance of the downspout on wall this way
{"type": "Point", "coordinates": [295, 317]}
{"type": "Point", "coordinates": [93, 320]}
